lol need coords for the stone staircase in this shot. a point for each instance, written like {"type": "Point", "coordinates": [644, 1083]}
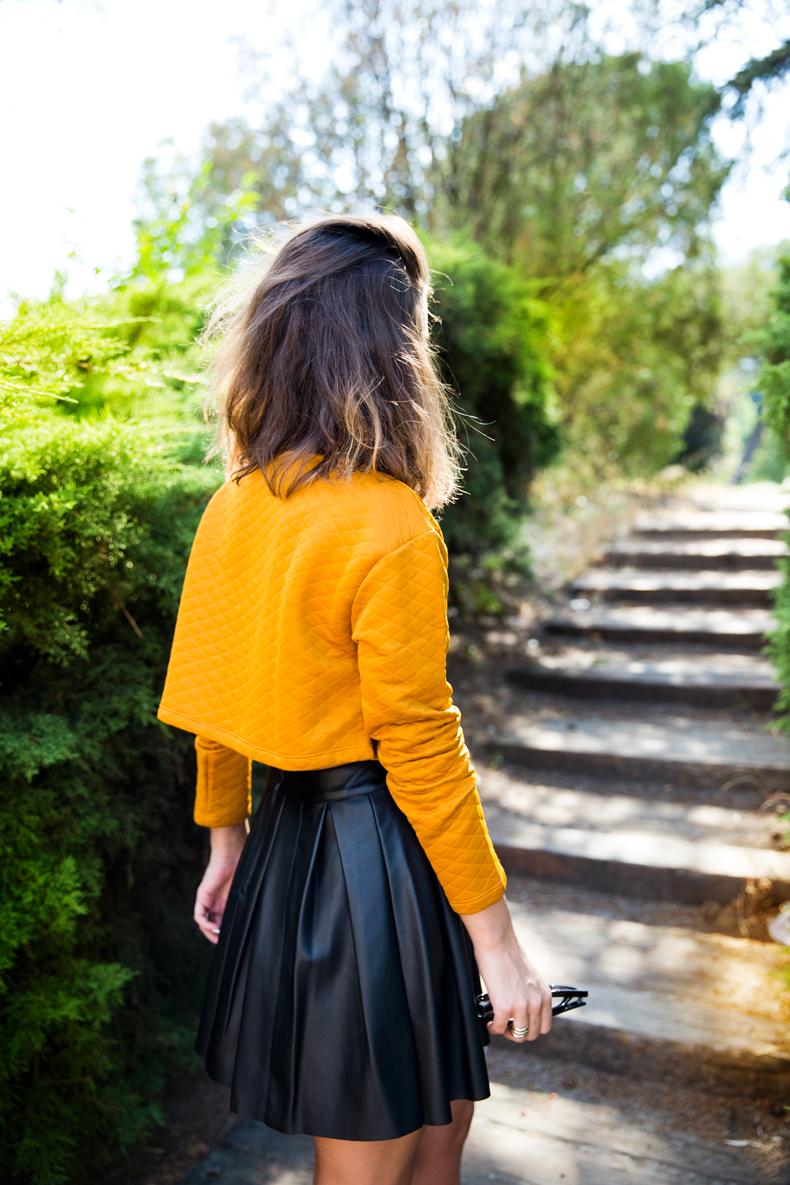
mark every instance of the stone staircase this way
{"type": "Point", "coordinates": [630, 784]}
{"type": "Point", "coordinates": [628, 791]}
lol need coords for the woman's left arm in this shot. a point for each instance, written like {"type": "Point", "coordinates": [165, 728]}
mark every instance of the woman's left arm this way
{"type": "Point", "coordinates": [401, 629]}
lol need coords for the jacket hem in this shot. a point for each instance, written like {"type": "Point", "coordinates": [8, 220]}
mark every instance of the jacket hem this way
{"type": "Point", "coordinates": [294, 761]}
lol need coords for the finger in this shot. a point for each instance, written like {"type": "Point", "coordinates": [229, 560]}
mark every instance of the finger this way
{"type": "Point", "coordinates": [210, 906]}
{"type": "Point", "coordinates": [540, 1012]}
{"type": "Point", "coordinates": [545, 1012]}
{"type": "Point", "coordinates": [500, 1022]}
{"type": "Point", "coordinates": [534, 1011]}
{"type": "Point", "coordinates": [209, 931]}
{"type": "Point", "coordinates": [206, 922]}
{"type": "Point", "coordinates": [520, 1021]}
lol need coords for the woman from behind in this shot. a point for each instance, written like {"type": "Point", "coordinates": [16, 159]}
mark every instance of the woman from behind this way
{"type": "Point", "coordinates": [356, 900]}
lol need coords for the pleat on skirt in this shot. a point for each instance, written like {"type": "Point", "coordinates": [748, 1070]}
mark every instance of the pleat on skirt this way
{"type": "Point", "coordinates": [340, 994]}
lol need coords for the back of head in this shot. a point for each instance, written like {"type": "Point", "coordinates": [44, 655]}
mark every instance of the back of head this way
{"type": "Point", "coordinates": [323, 347]}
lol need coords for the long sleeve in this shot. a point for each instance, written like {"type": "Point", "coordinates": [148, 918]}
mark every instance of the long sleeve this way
{"type": "Point", "coordinates": [223, 785]}
{"type": "Point", "coordinates": [400, 627]}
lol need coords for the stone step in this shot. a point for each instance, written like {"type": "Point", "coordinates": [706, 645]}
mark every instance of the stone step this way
{"type": "Point", "coordinates": [722, 554]}
{"type": "Point", "coordinates": [747, 589]}
{"type": "Point", "coordinates": [666, 1002]}
{"type": "Point", "coordinates": [754, 497]}
{"type": "Point", "coordinates": [736, 629]}
{"type": "Point", "coordinates": [683, 748]}
{"type": "Point", "coordinates": [708, 678]}
{"type": "Point", "coordinates": [546, 1125]}
{"type": "Point", "coordinates": [632, 845]}
{"type": "Point", "coordinates": [705, 524]}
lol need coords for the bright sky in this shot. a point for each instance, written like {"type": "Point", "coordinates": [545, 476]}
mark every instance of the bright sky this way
{"type": "Point", "coordinates": [89, 88]}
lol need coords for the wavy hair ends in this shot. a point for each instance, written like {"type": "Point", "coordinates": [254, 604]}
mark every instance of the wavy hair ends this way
{"type": "Point", "coordinates": [321, 345]}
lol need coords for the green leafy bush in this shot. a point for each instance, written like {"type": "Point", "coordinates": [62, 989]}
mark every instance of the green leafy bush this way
{"type": "Point", "coordinates": [98, 964]}
{"type": "Point", "coordinates": [492, 333]}
{"type": "Point", "coordinates": [775, 377]}
{"type": "Point", "coordinates": [99, 858]}
{"type": "Point", "coordinates": [775, 384]}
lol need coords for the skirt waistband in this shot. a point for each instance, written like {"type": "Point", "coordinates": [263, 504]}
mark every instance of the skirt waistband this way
{"type": "Point", "coordinates": [329, 782]}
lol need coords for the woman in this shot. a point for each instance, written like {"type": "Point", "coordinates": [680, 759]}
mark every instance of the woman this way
{"type": "Point", "coordinates": [353, 920]}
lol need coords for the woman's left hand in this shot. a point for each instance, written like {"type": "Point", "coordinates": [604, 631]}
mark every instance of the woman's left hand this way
{"type": "Point", "coordinates": [212, 892]}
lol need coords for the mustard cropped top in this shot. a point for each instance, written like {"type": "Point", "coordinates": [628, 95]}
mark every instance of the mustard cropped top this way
{"type": "Point", "coordinates": [312, 631]}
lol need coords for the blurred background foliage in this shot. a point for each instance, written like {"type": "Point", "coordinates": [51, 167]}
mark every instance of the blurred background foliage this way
{"type": "Point", "coordinates": [583, 320]}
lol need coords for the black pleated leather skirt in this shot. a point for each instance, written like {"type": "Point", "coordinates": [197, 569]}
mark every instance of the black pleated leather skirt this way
{"type": "Point", "coordinates": [340, 995]}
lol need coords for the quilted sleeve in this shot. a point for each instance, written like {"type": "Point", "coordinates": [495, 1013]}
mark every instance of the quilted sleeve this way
{"type": "Point", "coordinates": [400, 627]}
{"type": "Point", "coordinates": [223, 793]}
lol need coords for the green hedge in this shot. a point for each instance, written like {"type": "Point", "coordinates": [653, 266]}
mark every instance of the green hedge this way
{"type": "Point", "coordinates": [99, 857]}
{"type": "Point", "coordinates": [493, 337]}
{"type": "Point", "coordinates": [775, 385]}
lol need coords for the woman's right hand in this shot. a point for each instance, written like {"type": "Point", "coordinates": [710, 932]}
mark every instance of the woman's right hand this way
{"type": "Point", "coordinates": [227, 845]}
{"type": "Point", "coordinates": [515, 987]}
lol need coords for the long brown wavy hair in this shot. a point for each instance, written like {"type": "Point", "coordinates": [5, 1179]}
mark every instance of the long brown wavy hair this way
{"type": "Point", "coordinates": [321, 346]}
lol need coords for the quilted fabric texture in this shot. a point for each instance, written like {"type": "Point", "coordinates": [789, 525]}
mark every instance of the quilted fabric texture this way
{"type": "Point", "coordinates": [312, 631]}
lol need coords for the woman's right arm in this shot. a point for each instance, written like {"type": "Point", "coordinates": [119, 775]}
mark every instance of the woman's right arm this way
{"type": "Point", "coordinates": [515, 987]}
{"type": "Point", "coordinates": [223, 785]}
{"type": "Point", "coordinates": [222, 803]}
